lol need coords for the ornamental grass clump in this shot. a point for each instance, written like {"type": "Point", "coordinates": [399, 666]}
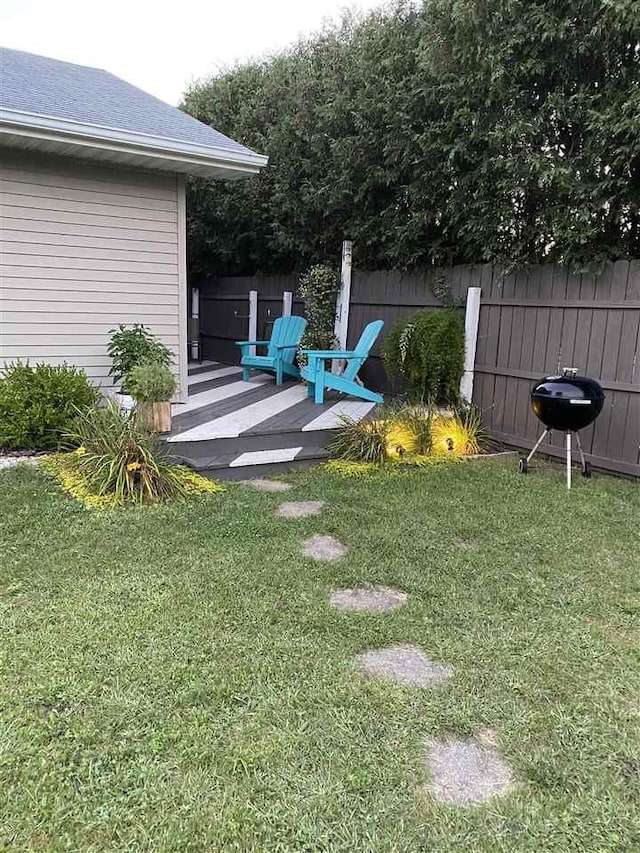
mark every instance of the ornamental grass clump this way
{"type": "Point", "coordinates": [359, 441]}
{"type": "Point", "coordinates": [64, 467]}
{"type": "Point", "coordinates": [459, 434]}
{"type": "Point", "coordinates": [409, 435]}
{"type": "Point", "coordinates": [398, 434]}
{"type": "Point", "coordinates": [116, 459]}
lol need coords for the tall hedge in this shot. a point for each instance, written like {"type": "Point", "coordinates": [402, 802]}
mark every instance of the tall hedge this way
{"type": "Point", "coordinates": [454, 131]}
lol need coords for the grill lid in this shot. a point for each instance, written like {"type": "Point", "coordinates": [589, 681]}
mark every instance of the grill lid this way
{"type": "Point", "coordinates": [567, 401]}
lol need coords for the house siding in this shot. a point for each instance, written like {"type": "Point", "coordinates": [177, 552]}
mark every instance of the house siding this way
{"type": "Point", "coordinates": [84, 248]}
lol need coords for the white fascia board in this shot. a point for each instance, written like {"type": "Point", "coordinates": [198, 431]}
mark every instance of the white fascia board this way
{"type": "Point", "coordinates": [14, 123]}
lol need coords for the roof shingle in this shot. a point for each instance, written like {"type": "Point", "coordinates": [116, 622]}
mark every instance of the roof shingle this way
{"type": "Point", "coordinates": [48, 87]}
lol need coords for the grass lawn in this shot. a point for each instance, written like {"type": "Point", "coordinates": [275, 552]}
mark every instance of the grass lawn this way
{"type": "Point", "coordinates": [174, 680]}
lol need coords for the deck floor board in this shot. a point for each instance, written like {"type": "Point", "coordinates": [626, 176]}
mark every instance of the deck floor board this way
{"type": "Point", "coordinates": [229, 423]}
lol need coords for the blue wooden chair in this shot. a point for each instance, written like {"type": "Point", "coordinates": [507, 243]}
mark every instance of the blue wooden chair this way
{"type": "Point", "coordinates": [319, 378]}
{"type": "Point", "coordinates": [281, 350]}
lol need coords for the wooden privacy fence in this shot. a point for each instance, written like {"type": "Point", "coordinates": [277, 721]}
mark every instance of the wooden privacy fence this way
{"type": "Point", "coordinates": [532, 323]}
{"type": "Point", "coordinates": [539, 320]}
{"type": "Point", "coordinates": [224, 311]}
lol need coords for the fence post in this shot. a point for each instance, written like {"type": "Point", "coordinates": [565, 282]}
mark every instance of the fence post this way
{"type": "Point", "coordinates": [253, 318]}
{"type": "Point", "coordinates": [287, 302]}
{"type": "Point", "coordinates": [471, 318]}
{"type": "Point", "coordinates": [195, 316]}
{"type": "Point", "coordinates": [343, 302]}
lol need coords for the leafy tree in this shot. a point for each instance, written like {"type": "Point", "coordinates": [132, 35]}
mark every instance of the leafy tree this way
{"type": "Point", "coordinates": [540, 118]}
{"type": "Point", "coordinates": [336, 114]}
{"type": "Point", "coordinates": [457, 131]}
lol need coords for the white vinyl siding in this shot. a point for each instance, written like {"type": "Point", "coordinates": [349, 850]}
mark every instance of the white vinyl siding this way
{"type": "Point", "coordinates": [84, 248]}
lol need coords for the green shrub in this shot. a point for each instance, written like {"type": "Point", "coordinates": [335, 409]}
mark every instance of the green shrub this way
{"type": "Point", "coordinates": [151, 383]}
{"type": "Point", "coordinates": [425, 353]}
{"type": "Point", "coordinates": [38, 404]}
{"type": "Point", "coordinates": [319, 287]}
{"type": "Point", "coordinates": [130, 347]}
{"type": "Point", "coordinates": [117, 457]}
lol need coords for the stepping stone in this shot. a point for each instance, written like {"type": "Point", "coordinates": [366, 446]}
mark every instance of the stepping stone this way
{"type": "Point", "coordinates": [267, 485]}
{"type": "Point", "coordinates": [466, 772]}
{"type": "Point", "coordinates": [320, 547]}
{"type": "Point", "coordinates": [372, 599]}
{"type": "Point", "coordinates": [404, 665]}
{"type": "Point", "coordinates": [299, 509]}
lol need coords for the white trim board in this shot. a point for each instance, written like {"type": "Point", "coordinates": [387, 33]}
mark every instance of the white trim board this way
{"type": "Point", "coordinates": [177, 155]}
{"type": "Point", "coordinates": [223, 392]}
{"type": "Point", "coordinates": [331, 418]}
{"type": "Point", "coordinates": [219, 373]}
{"type": "Point", "coordinates": [265, 457]}
{"type": "Point", "coordinates": [183, 356]}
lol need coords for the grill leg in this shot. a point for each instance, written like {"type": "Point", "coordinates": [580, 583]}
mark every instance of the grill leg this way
{"type": "Point", "coordinates": [538, 443]}
{"type": "Point", "coordinates": [568, 460]}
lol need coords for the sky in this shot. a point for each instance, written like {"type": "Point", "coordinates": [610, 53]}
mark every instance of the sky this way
{"type": "Point", "coordinates": [163, 45]}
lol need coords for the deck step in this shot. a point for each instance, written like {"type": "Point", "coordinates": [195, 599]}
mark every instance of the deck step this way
{"type": "Point", "coordinates": [231, 466]}
{"type": "Point", "coordinates": [248, 442]}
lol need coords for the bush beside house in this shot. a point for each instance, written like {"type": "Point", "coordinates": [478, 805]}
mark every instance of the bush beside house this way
{"type": "Point", "coordinates": [39, 403]}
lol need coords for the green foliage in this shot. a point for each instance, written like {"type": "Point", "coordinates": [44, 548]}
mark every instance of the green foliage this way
{"type": "Point", "coordinates": [460, 434]}
{"type": "Point", "coordinates": [440, 133]}
{"type": "Point", "coordinates": [173, 679]}
{"type": "Point", "coordinates": [120, 459]}
{"type": "Point", "coordinates": [417, 420]}
{"type": "Point", "coordinates": [359, 441]}
{"type": "Point", "coordinates": [67, 470]}
{"type": "Point", "coordinates": [319, 287]}
{"type": "Point", "coordinates": [398, 433]}
{"type": "Point", "coordinates": [37, 404]}
{"type": "Point", "coordinates": [426, 353]}
{"type": "Point", "coordinates": [540, 122]}
{"type": "Point", "coordinates": [131, 347]}
{"type": "Point", "coordinates": [151, 383]}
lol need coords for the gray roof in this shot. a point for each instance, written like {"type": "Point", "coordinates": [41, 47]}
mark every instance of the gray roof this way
{"type": "Point", "coordinates": [47, 87]}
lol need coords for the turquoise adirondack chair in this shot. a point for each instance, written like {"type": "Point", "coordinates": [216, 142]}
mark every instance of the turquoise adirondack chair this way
{"type": "Point", "coordinates": [281, 350]}
{"type": "Point", "coordinates": [319, 378]}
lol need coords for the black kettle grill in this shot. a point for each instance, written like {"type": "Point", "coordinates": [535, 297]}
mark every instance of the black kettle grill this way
{"type": "Point", "coordinates": [568, 403]}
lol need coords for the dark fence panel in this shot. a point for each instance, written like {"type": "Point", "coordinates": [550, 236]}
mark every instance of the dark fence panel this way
{"type": "Point", "coordinates": [224, 310]}
{"type": "Point", "coordinates": [393, 295]}
{"type": "Point", "coordinates": [535, 322]}
{"type": "Point", "coordinates": [532, 323]}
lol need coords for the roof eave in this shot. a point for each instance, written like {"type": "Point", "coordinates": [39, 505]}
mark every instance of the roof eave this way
{"type": "Point", "coordinates": [110, 145]}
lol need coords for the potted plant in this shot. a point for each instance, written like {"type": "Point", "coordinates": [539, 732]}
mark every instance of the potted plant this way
{"type": "Point", "coordinates": [129, 348]}
{"type": "Point", "coordinates": [152, 386]}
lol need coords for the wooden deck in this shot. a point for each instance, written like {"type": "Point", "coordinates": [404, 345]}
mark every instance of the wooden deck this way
{"type": "Point", "coordinates": [234, 429]}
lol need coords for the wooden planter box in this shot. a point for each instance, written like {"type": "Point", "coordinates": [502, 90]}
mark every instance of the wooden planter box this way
{"type": "Point", "coordinates": [155, 416]}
